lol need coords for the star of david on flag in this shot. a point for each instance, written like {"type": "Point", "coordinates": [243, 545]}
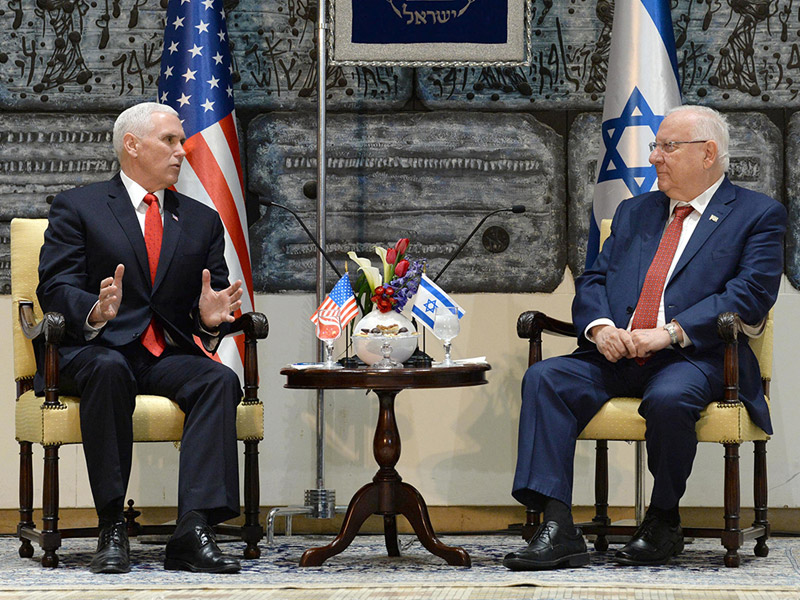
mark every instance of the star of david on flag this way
{"type": "Point", "coordinates": [196, 80]}
{"type": "Point", "coordinates": [429, 297]}
{"type": "Point", "coordinates": [641, 86]}
{"type": "Point", "coordinates": [341, 297]}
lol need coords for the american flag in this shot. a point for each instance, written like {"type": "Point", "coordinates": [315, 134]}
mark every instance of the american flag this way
{"type": "Point", "coordinates": [341, 297]}
{"type": "Point", "coordinates": [196, 80]}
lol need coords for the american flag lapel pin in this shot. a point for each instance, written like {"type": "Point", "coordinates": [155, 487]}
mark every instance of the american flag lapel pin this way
{"type": "Point", "coordinates": [714, 218]}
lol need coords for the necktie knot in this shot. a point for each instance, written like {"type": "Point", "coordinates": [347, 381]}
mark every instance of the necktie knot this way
{"type": "Point", "coordinates": [150, 198]}
{"type": "Point", "coordinates": [681, 212]}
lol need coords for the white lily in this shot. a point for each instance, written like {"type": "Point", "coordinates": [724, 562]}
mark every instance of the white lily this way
{"type": "Point", "coordinates": [386, 267]}
{"type": "Point", "coordinates": [372, 274]}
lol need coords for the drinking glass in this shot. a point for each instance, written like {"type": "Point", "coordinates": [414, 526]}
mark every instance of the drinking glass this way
{"type": "Point", "coordinates": [446, 327]}
{"type": "Point", "coordinates": [329, 328]}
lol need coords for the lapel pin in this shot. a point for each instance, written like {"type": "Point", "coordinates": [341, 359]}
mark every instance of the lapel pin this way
{"type": "Point", "coordinates": [175, 217]}
{"type": "Point", "coordinates": [714, 218]}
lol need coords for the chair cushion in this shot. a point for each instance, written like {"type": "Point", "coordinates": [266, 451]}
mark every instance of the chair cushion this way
{"type": "Point", "coordinates": [720, 422]}
{"type": "Point", "coordinates": [156, 419]}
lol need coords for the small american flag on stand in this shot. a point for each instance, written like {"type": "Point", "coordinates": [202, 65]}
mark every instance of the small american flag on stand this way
{"type": "Point", "coordinates": [341, 297]}
{"type": "Point", "coordinates": [196, 80]}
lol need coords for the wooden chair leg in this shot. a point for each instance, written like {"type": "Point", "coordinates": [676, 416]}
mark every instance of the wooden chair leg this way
{"type": "Point", "coordinates": [51, 536]}
{"type": "Point", "coordinates": [25, 497]}
{"type": "Point", "coordinates": [760, 496]}
{"type": "Point", "coordinates": [532, 520]}
{"type": "Point", "coordinates": [601, 493]}
{"type": "Point", "coordinates": [731, 536]}
{"type": "Point", "coordinates": [252, 532]}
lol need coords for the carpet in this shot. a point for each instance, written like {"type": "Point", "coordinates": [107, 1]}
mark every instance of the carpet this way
{"type": "Point", "coordinates": [365, 566]}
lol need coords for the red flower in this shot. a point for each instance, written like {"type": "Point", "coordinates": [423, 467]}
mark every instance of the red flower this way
{"type": "Point", "coordinates": [400, 247]}
{"type": "Point", "coordinates": [391, 256]}
{"type": "Point", "coordinates": [401, 268]}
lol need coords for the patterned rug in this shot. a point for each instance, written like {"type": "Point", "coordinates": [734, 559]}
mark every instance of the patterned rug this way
{"type": "Point", "coordinates": [365, 565]}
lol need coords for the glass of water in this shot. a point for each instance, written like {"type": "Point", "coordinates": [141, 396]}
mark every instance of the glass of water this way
{"type": "Point", "coordinates": [446, 327]}
{"type": "Point", "coordinates": [329, 329]}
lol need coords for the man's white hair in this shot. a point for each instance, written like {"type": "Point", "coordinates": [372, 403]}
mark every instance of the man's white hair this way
{"type": "Point", "coordinates": [709, 125]}
{"type": "Point", "coordinates": [137, 120]}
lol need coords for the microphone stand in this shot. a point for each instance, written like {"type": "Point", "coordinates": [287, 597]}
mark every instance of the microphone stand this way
{"type": "Point", "coordinates": [420, 358]}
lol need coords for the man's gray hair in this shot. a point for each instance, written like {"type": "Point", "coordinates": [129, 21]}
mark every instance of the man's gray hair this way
{"type": "Point", "coordinates": [137, 120]}
{"type": "Point", "coordinates": [709, 125]}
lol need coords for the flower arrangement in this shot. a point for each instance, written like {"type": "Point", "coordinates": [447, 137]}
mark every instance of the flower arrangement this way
{"type": "Point", "coordinates": [401, 277]}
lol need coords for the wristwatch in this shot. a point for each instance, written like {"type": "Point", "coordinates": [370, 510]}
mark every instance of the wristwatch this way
{"type": "Point", "coordinates": [672, 330]}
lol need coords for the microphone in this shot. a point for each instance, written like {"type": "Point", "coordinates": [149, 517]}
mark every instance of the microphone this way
{"type": "Point", "coordinates": [516, 209]}
{"type": "Point", "coordinates": [269, 203]}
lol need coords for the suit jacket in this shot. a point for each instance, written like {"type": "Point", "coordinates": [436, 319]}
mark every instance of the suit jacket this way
{"type": "Point", "coordinates": [94, 228]}
{"type": "Point", "coordinates": [733, 262]}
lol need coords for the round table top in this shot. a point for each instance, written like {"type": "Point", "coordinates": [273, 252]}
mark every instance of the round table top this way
{"type": "Point", "coordinates": [386, 379]}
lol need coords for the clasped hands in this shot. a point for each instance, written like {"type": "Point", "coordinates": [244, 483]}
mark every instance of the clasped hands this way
{"type": "Point", "coordinates": [614, 343]}
{"type": "Point", "coordinates": [215, 307]}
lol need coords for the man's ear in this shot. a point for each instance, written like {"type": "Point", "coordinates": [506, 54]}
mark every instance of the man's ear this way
{"type": "Point", "coordinates": [711, 151]}
{"type": "Point", "coordinates": [130, 144]}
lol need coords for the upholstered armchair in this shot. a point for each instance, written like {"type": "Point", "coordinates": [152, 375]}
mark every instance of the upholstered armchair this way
{"type": "Point", "coordinates": [725, 422]}
{"type": "Point", "coordinates": [53, 421]}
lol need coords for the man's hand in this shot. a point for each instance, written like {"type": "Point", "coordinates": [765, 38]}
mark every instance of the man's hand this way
{"type": "Point", "coordinates": [650, 341]}
{"type": "Point", "coordinates": [109, 299]}
{"type": "Point", "coordinates": [613, 343]}
{"type": "Point", "coordinates": [216, 307]}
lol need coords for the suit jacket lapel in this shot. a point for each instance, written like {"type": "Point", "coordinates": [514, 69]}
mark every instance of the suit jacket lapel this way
{"type": "Point", "coordinates": [719, 208]}
{"type": "Point", "coordinates": [120, 204]}
{"type": "Point", "coordinates": [172, 234]}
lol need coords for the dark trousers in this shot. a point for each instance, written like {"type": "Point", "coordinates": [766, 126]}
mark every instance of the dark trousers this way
{"type": "Point", "coordinates": [561, 395]}
{"type": "Point", "coordinates": [108, 380]}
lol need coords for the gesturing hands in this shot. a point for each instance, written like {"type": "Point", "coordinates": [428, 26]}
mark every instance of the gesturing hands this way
{"type": "Point", "coordinates": [614, 343]}
{"type": "Point", "coordinates": [109, 298]}
{"type": "Point", "coordinates": [216, 307]}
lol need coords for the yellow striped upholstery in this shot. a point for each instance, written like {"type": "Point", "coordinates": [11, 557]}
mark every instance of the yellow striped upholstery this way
{"type": "Point", "coordinates": [156, 418]}
{"type": "Point", "coordinates": [720, 422]}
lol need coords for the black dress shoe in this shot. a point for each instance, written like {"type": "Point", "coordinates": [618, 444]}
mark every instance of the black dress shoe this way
{"type": "Point", "coordinates": [113, 550]}
{"type": "Point", "coordinates": [551, 547]}
{"type": "Point", "coordinates": [654, 543]}
{"type": "Point", "coordinates": [197, 551]}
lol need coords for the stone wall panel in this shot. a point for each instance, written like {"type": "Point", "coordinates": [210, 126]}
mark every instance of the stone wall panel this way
{"type": "Point", "coordinates": [429, 177]}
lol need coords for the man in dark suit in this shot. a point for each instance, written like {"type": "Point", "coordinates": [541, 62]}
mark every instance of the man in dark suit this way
{"type": "Point", "coordinates": [646, 313]}
{"type": "Point", "coordinates": [138, 269]}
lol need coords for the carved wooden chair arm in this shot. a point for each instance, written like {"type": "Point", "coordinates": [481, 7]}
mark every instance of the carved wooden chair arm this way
{"type": "Point", "coordinates": [530, 326]}
{"type": "Point", "coordinates": [254, 325]}
{"type": "Point", "coordinates": [52, 326]}
{"type": "Point", "coordinates": [729, 326]}
{"type": "Point", "coordinates": [532, 323]}
{"type": "Point", "coordinates": [52, 329]}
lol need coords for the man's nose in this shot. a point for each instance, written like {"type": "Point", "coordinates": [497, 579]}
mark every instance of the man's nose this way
{"type": "Point", "coordinates": [656, 156]}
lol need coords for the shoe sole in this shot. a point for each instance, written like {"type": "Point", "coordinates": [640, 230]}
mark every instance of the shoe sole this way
{"type": "Point", "coordinates": [521, 564]}
{"type": "Point", "coordinates": [110, 570]}
{"type": "Point", "coordinates": [171, 564]}
{"type": "Point", "coordinates": [631, 562]}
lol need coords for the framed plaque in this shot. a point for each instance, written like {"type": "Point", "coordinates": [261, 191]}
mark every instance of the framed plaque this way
{"type": "Point", "coordinates": [420, 33]}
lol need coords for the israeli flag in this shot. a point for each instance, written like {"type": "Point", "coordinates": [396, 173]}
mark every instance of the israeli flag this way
{"type": "Point", "coordinates": [429, 297]}
{"type": "Point", "coordinates": [641, 86]}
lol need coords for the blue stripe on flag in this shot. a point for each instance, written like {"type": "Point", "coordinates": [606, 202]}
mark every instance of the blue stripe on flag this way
{"type": "Point", "coordinates": [660, 13]}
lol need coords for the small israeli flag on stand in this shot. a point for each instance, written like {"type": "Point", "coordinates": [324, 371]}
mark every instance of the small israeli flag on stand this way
{"type": "Point", "coordinates": [429, 297]}
{"type": "Point", "coordinates": [641, 86]}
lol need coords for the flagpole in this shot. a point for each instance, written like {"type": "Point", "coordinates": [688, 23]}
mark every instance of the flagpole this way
{"type": "Point", "coordinates": [320, 503]}
{"type": "Point", "coordinates": [320, 500]}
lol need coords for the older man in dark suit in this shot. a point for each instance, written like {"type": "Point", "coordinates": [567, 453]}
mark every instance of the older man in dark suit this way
{"type": "Point", "coordinates": [138, 269]}
{"type": "Point", "coordinates": [646, 312]}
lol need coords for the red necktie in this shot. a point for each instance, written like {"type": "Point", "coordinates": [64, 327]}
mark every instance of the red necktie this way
{"type": "Point", "coordinates": [153, 337]}
{"type": "Point", "coordinates": [646, 315]}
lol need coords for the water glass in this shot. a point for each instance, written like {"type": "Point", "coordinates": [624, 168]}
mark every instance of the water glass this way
{"type": "Point", "coordinates": [446, 327]}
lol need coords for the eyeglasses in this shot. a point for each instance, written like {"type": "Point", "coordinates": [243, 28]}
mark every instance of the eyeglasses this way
{"type": "Point", "coordinates": [668, 147]}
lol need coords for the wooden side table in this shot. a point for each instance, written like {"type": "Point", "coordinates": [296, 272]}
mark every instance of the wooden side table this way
{"type": "Point", "coordinates": [387, 494]}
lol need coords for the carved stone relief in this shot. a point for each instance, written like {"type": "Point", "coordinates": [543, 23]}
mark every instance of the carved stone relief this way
{"type": "Point", "coordinates": [430, 177]}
